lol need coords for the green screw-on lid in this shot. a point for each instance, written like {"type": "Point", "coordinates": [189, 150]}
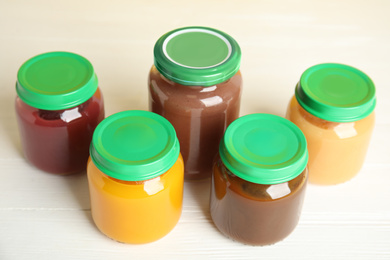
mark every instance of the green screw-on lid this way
{"type": "Point", "coordinates": [197, 56]}
{"type": "Point", "coordinates": [336, 92]}
{"type": "Point", "coordinates": [134, 145]}
{"type": "Point", "coordinates": [56, 80]}
{"type": "Point", "coordinates": [264, 149]}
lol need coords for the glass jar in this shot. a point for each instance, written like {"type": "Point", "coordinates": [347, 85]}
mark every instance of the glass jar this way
{"type": "Point", "coordinates": [58, 106]}
{"type": "Point", "coordinates": [135, 175]}
{"type": "Point", "coordinates": [196, 84]}
{"type": "Point", "coordinates": [259, 179]}
{"type": "Point", "coordinates": [333, 106]}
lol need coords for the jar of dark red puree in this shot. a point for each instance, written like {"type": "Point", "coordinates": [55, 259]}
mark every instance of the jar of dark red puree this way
{"type": "Point", "coordinates": [196, 84]}
{"type": "Point", "coordinates": [259, 179]}
{"type": "Point", "coordinates": [58, 106]}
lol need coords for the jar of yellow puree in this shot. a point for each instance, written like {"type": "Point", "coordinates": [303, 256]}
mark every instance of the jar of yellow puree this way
{"type": "Point", "coordinates": [135, 176]}
{"type": "Point", "coordinates": [334, 107]}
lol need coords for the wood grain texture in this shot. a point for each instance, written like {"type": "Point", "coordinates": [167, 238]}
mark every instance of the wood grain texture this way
{"type": "Point", "coordinates": [48, 217]}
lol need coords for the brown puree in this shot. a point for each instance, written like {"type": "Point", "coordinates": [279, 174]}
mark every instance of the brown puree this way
{"type": "Point", "coordinates": [199, 115]}
{"type": "Point", "coordinates": [255, 214]}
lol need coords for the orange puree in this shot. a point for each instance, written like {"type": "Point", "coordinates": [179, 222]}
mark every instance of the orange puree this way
{"type": "Point", "coordinates": [334, 107]}
{"type": "Point", "coordinates": [336, 150]}
{"type": "Point", "coordinates": [135, 175]}
{"type": "Point", "coordinates": [136, 212]}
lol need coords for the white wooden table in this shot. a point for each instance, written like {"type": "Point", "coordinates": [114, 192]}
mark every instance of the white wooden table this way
{"type": "Point", "coordinates": [48, 217]}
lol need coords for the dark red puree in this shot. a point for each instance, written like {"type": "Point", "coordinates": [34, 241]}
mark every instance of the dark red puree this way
{"type": "Point", "coordinates": [57, 141]}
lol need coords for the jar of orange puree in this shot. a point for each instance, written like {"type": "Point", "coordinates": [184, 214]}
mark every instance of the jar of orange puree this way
{"type": "Point", "coordinates": [333, 106]}
{"type": "Point", "coordinates": [135, 175]}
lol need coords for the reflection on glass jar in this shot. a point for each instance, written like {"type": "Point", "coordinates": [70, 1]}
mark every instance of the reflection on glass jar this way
{"type": "Point", "coordinates": [259, 179]}
{"type": "Point", "coordinates": [196, 84]}
{"type": "Point", "coordinates": [58, 107]}
{"type": "Point", "coordinates": [135, 177]}
{"type": "Point", "coordinates": [333, 106]}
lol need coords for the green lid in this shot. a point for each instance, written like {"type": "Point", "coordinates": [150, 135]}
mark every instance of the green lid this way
{"type": "Point", "coordinates": [197, 56]}
{"type": "Point", "coordinates": [336, 92]}
{"type": "Point", "coordinates": [56, 80]}
{"type": "Point", "coordinates": [264, 149]}
{"type": "Point", "coordinates": [134, 145]}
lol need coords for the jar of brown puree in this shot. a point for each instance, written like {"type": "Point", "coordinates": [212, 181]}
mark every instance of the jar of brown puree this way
{"type": "Point", "coordinates": [196, 84]}
{"type": "Point", "coordinates": [259, 179]}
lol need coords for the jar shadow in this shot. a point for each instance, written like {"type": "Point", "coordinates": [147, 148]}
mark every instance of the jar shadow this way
{"type": "Point", "coordinates": [199, 191]}
{"type": "Point", "coordinates": [78, 188]}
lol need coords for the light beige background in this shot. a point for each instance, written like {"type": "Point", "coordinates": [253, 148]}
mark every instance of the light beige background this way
{"type": "Point", "coordinates": [48, 217]}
